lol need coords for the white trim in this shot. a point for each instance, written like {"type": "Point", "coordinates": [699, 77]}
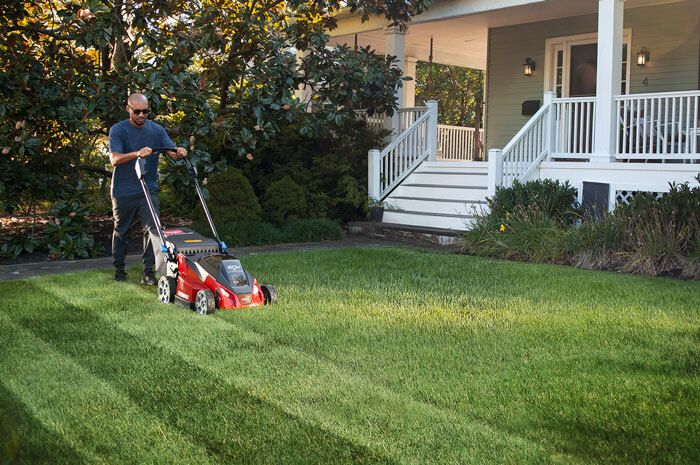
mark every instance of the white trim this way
{"type": "Point", "coordinates": [553, 44]}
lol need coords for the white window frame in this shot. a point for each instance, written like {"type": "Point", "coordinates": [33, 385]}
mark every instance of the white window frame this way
{"type": "Point", "coordinates": [555, 44]}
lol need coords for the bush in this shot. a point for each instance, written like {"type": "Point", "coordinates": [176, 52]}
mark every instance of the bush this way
{"type": "Point", "coordinates": [231, 199]}
{"type": "Point", "coordinates": [69, 234]}
{"type": "Point", "coordinates": [284, 200]}
{"type": "Point", "coordinates": [254, 232]}
{"type": "Point", "coordinates": [651, 236]}
{"type": "Point", "coordinates": [553, 198]}
{"type": "Point", "coordinates": [311, 230]}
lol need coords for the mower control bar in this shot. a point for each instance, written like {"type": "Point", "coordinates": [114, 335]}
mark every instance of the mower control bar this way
{"type": "Point", "coordinates": [193, 172]}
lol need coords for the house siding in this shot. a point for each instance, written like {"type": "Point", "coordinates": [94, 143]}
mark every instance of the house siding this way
{"type": "Point", "coordinates": [670, 32]}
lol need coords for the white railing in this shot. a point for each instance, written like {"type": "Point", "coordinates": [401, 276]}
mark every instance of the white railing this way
{"type": "Point", "coordinates": [659, 126]}
{"type": "Point", "coordinates": [574, 127]}
{"type": "Point", "coordinates": [386, 169]}
{"type": "Point", "coordinates": [374, 122]}
{"type": "Point", "coordinates": [523, 154]}
{"type": "Point", "coordinates": [457, 143]}
{"type": "Point", "coordinates": [407, 116]}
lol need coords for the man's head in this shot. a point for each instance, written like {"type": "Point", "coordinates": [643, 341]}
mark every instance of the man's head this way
{"type": "Point", "coordinates": [137, 107]}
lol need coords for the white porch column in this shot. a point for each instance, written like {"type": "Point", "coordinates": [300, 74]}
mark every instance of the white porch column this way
{"type": "Point", "coordinates": [495, 171]}
{"type": "Point", "coordinates": [396, 46]}
{"type": "Point", "coordinates": [610, 30]}
{"type": "Point", "coordinates": [432, 129]}
{"type": "Point", "coordinates": [373, 175]}
{"type": "Point", "coordinates": [409, 87]}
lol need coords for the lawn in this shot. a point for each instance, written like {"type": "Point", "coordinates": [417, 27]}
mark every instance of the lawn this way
{"type": "Point", "coordinates": [384, 355]}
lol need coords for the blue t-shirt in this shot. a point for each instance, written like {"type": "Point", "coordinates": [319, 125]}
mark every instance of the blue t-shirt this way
{"type": "Point", "coordinates": [124, 137]}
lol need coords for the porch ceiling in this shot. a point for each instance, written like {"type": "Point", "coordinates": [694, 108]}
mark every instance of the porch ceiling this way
{"type": "Point", "coordinates": [462, 40]}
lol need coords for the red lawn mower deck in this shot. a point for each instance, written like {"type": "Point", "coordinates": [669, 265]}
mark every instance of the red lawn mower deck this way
{"type": "Point", "coordinates": [196, 271]}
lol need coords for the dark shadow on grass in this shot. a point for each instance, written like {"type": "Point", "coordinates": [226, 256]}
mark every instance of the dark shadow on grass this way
{"type": "Point", "coordinates": [37, 445]}
{"type": "Point", "coordinates": [232, 425]}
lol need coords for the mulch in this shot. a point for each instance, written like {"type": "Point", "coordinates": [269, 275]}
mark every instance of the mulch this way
{"type": "Point", "coordinates": [102, 233]}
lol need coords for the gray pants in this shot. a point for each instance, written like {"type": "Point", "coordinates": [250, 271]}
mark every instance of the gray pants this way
{"type": "Point", "coordinates": [125, 210]}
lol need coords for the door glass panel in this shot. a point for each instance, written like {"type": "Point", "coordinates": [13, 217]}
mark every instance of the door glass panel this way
{"type": "Point", "coordinates": [584, 59]}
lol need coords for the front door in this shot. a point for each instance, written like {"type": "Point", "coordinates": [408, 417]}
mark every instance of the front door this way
{"type": "Point", "coordinates": [571, 65]}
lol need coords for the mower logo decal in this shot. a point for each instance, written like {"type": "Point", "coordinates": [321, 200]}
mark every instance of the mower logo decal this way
{"type": "Point", "coordinates": [173, 231]}
{"type": "Point", "coordinates": [233, 267]}
{"type": "Point", "coordinates": [194, 240]}
{"type": "Point", "coordinates": [183, 294]}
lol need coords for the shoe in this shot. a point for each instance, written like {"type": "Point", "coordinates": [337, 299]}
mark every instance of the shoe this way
{"type": "Point", "coordinates": [148, 278]}
{"type": "Point", "coordinates": [120, 276]}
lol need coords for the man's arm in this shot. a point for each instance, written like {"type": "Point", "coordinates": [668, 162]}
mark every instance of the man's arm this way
{"type": "Point", "coordinates": [117, 158]}
{"type": "Point", "coordinates": [178, 154]}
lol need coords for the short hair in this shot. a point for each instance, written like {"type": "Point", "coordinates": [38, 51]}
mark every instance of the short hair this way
{"type": "Point", "coordinates": [136, 97]}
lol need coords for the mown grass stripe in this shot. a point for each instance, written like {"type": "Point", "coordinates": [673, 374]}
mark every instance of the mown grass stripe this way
{"type": "Point", "coordinates": [87, 419]}
{"type": "Point", "coordinates": [234, 426]}
{"type": "Point", "coordinates": [344, 402]}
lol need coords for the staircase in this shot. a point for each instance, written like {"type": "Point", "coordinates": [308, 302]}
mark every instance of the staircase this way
{"type": "Point", "coordinates": [439, 194]}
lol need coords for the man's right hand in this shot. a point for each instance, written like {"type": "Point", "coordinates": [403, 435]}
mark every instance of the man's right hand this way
{"type": "Point", "coordinates": [144, 152]}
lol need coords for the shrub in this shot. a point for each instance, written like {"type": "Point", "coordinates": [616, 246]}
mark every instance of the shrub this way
{"type": "Point", "coordinates": [651, 236]}
{"type": "Point", "coordinates": [13, 245]}
{"type": "Point", "coordinates": [553, 198]}
{"type": "Point", "coordinates": [284, 200]}
{"type": "Point", "coordinates": [254, 232]}
{"type": "Point", "coordinates": [311, 230]}
{"type": "Point", "coordinates": [231, 199]}
{"type": "Point", "coordinates": [69, 234]}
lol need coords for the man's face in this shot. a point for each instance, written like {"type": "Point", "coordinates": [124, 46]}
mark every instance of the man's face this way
{"type": "Point", "coordinates": [138, 113]}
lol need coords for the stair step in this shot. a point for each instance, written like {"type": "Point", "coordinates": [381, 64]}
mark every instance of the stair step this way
{"type": "Point", "coordinates": [466, 178]}
{"type": "Point", "coordinates": [446, 215]}
{"type": "Point", "coordinates": [462, 193]}
{"type": "Point", "coordinates": [444, 186]}
{"type": "Point", "coordinates": [424, 199]}
{"type": "Point", "coordinates": [456, 222]}
{"type": "Point", "coordinates": [435, 206]}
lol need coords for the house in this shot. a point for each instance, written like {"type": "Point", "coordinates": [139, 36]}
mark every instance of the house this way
{"type": "Point", "coordinates": [600, 93]}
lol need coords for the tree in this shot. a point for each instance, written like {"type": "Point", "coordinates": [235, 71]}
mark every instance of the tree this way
{"type": "Point", "coordinates": [458, 91]}
{"type": "Point", "coordinates": [207, 66]}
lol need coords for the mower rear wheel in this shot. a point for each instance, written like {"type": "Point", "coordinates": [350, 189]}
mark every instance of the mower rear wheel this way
{"type": "Point", "coordinates": [204, 303]}
{"type": "Point", "coordinates": [269, 293]}
{"type": "Point", "coordinates": [166, 289]}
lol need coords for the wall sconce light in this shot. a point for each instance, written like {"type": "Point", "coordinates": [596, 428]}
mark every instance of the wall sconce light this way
{"type": "Point", "coordinates": [642, 57]}
{"type": "Point", "coordinates": [529, 67]}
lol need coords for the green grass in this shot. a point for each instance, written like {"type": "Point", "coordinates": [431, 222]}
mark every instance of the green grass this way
{"type": "Point", "coordinates": [372, 356]}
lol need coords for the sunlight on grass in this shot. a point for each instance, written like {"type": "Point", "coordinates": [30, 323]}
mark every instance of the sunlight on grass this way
{"type": "Point", "coordinates": [371, 356]}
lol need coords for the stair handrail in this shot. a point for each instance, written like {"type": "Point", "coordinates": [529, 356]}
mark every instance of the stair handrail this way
{"type": "Point", "coordinates": [526, 150]}
{"type": "Point", "coordinates": [388, 168]}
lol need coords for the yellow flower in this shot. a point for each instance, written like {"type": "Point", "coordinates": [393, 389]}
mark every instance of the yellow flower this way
{"type": "Point", "coordinates": [503, 228]}
{"type": "Point", "coordinates": [507, 215]}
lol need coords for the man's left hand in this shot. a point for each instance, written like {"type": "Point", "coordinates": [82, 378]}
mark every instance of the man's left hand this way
{"type": "Point", "coordinates": [178, 154]}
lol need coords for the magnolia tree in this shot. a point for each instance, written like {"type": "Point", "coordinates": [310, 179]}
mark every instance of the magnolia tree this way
{"type": "Point", "coordinates": [207, 66]}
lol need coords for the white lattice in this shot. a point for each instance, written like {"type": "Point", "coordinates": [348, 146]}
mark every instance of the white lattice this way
{"type": "Point", "coordinates": [625, 197]}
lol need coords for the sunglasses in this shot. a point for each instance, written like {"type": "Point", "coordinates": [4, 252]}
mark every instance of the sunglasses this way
{"type": "Point", "coordinates": [138, 112]}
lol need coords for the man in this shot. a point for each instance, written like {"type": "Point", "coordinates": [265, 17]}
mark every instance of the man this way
{"type": "Point", "coordinates": [128, 140]}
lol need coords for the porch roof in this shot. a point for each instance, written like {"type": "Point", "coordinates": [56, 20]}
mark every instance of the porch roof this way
{"type": "Point", "coordinates": [462, 34]}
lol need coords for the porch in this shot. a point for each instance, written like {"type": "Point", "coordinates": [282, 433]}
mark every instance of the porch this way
{"type": "Point", "coordinates": [635, 130]}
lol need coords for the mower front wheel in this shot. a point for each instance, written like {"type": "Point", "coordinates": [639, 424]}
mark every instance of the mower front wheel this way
{"type": "Point", "coordinates": [269, 293]}
{"type": "Point", "coordinates": [204, 303]}
{"type": "Point", "coordinates": [166, 289]}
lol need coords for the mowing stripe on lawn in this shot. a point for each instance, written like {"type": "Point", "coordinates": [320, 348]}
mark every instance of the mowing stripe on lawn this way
{"type": "Point", "coordinates": [316, 390]}
{"type": "Point", "coordinates": [93, 420]}
{"type": "Point", "coordinates": [233, 425]}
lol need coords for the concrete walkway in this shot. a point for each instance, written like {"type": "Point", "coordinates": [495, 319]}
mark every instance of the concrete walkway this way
{"type": "Point", "coordinates": [29, 270]}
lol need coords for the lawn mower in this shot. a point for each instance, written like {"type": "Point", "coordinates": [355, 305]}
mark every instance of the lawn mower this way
{"type": "Point", "coordinates": [195, 271]}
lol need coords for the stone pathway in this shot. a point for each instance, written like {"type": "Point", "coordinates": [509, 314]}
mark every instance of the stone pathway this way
{"type": "Point", "coordinates": [29, 270]}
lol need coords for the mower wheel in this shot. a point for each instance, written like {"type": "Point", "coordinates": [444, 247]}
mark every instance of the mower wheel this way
{"type": "Point", "coordinates": [166, 289]}
{"type": "Point", "coordinates": [270, 294]}
{"type": "Point", "coordinates": [204, 303]}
